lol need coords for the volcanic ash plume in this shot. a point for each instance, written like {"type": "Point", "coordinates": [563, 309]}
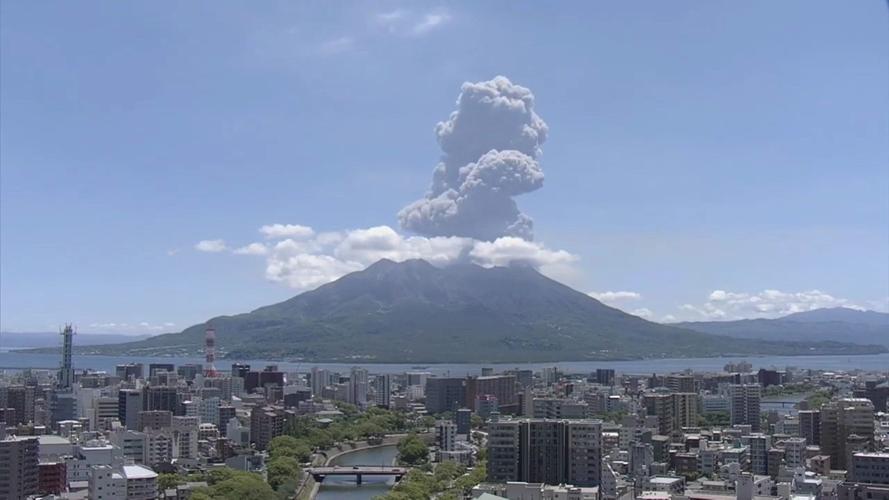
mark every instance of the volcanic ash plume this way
{"type": "Point", "coordinates": [490, 146]}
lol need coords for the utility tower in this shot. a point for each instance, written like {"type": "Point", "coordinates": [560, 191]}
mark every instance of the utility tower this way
{"type": "Point", "coordinates": [210, 352]}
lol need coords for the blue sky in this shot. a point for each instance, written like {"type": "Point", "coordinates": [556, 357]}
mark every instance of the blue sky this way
{"type": "Point", "coordinates": [694, 147]}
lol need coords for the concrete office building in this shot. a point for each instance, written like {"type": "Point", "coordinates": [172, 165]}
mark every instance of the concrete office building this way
{"type": "Point", "coordinates": [445, 394]}
{"type": "Point", "coordinates": [869, 467]}
{"type": "Point", "coordinates": [129, 482]}
{"type": "Point", "coordinates": [555, 408]}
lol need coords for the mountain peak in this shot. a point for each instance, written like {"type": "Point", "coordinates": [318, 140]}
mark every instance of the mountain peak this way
{"type": "Point", "coordinates": [413, 311]}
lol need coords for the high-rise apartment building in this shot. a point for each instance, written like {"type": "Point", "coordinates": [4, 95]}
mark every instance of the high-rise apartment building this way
{"type": "Point", "coordinates": [446, 435]}
{"type": "Point", "coordinates": [129, 405]}
{"type": "Point", "coordinates": [810, 426]}
{"type": "Point", "coordinates": [673, 411]}
{"type": "Point", "coordinates": [22, 398]}
{"type": "Point", "coordinates": [502, 387]}
{"type": "Point", "coordinates": [463, 419]}
{"type": "Point", "coordinates": [680, 383]}
{"type": "Point", "coordinates": [685, 409]}
{"type": "Point", "coordinates": [358, 387]}
{"type": "Point", "coordinates": [745, 404]}
{"type": "Point", "coordinates": [320, 380]}
{"type": "Point", "coordinates": [266, 423]}
{"type": "Point", "coordinates": [161, 398]}
{"type": "Point", "coordinates": [846, 423]}
{"type": "Point", "coordinates": [19, 470]}
{"type": "Point", "coordinates": [545, 451]}
{"type": "Point", "coordinates": [758, 446]}
{"type": "Point", "coordinates": [383, 394]}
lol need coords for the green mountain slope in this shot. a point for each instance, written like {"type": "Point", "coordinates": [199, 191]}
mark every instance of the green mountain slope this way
{"type": "Point", "coordinates": [415, 312]}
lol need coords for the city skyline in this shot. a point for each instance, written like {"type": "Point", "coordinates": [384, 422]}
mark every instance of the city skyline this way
{"type": "Point", "coordinates": [702, 161]}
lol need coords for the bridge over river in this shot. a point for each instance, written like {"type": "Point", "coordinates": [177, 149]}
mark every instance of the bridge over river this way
{"type": "Point", "coordinates": [359, 471]}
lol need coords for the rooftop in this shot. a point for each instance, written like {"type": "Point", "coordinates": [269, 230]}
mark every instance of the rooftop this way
{"type": "Point", "coordinates": [138, 472]}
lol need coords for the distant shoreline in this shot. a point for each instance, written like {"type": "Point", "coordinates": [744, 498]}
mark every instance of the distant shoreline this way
{"type": "Point", "coordinates": [876, 351]}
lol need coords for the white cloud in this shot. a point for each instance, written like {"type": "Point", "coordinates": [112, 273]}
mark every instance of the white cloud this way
{"type": "Point", "coordinates": [336, 45]}
{"type": "Point", "coordinates": [769, 303]}
{"type": "Point", "coordinates": [642, 312]}
{"type": "Point", "coordinates": [307, 262]}
{"type": "Point", "coordinates": [430, 22]}
{"type": "Point", "coordinates": [252, 249]}
{"type": "Point", "coordinates": [382, 242]}
{"type": "Point", "coordinates": [512, 250]}
{"type": "Point", "coordinates": [621, 299]}
{"type": "Point", "coordinates": [615, 297]}
{"type": "Point", "coordinates": [211, 246]}
{"type": "Point", "coordinates": [402, 22]}
{"type": "Point", "coordinates": [391, 19]}
{"type": "Point", "coordinates": [305, 271]}
{"type": "Point", "coordinates": [278, 231]}
{"type": "Point", "coordinates": [669, 318]}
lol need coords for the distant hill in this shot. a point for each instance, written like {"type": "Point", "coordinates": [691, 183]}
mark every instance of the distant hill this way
{"type": "Point", "coordinates": [22, 340]}
{"type": "Point", "coordinates": [415, 312]}
{"type": "Point", "coordinates": [843, 314]}
{"type": "Point", "coordinates": [834, 324]}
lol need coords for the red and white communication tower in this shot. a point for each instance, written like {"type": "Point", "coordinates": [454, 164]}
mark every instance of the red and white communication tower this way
{"type": "Point", "coordinates": [210, 352]}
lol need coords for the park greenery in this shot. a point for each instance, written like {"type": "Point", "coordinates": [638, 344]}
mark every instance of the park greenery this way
{"type": "Point", "coordinates": [447, 481]}
{"type": "Point", "coordinates": [305, 436]}
{"type": "Point", "coordinates": [714, 419]}
{"type": "Point", "coordinates": [307, 433]}
{"type": "Point", "coordinates": [818, 398]}
{"type": "Point", "coordinates": [230, 484]}
{"type": "Point", "coordinates": [789, 389]}
{"type": "Point", "coordinates": [413, 451]}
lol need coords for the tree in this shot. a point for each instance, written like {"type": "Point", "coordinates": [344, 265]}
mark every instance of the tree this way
{"type": "Point", "coordinates": [476, 421]}
{"type": "Point", "coordinates": [714, 419]}
{"type": "Point", "coordinates": [282, 469]}
{"type": "Point", "coordinates": [168, 481]}
{"type": "Point", "coordinates": [466, 482]}
{"type": "Point", "coordinates": [289, 446]}
{"type": "Point", "coordinates": [230, 484]}
{"type": "Point", "coordinates": [412, 450]}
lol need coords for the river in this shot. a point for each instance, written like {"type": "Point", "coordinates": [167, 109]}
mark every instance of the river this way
{"type": "Point", "coordinates": [345, 487]}
{"type": "Point", "coordinates": [870, 362]}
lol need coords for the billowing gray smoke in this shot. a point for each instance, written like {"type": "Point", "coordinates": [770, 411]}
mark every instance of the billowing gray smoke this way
{"type": "Point", "coordinates": [490, 145]}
